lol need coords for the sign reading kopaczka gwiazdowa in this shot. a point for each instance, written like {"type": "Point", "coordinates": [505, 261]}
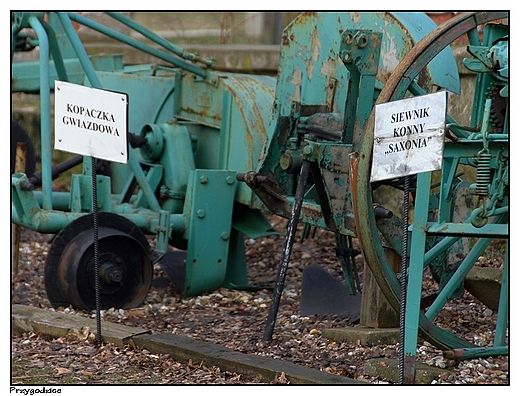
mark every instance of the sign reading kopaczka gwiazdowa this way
{"type": "Point", "coordinates": [91, 122]}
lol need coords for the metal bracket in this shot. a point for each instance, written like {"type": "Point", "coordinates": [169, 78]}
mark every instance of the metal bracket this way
{"type": "Point", "coordinates": [208, 213]}
{"type": "Point", "coordinates": [360, 51]}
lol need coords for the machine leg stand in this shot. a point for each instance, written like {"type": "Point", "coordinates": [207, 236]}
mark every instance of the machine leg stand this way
{"type": "Point", "coordinates": [415, 276]}
{"type": "Point", "coordinates": [286, 254]}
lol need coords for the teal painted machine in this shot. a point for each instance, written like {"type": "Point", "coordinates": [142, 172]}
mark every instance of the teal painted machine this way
{"type": "Point", "coordinates": [211, 152]}
{"type": "Point", "coordinates": [179, 183]}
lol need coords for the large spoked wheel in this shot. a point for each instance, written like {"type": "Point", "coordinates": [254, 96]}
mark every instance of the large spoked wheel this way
{"type": "Point", "coordinates": [125, 270]}
{"type": "Point", "coordinates": [404, 82]}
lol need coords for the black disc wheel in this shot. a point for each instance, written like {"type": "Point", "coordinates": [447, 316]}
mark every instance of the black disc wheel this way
{"type": "Point", "coordinates": [125, 270]}
{"type": "Point", "coordinates": [404, 82]}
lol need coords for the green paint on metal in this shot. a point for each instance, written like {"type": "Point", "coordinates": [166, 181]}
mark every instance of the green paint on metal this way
{"type": "Point", "coordinates": [208, 213]}
{"type": "Point", "coordinates": [201, 128]}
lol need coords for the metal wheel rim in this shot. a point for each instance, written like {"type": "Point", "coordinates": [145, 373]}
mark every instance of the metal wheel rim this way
{"type": "Point", "coordinates": [118, 250]}
{"type": "Point", "coordinates": [110, 225]}
{"type": "Point", "coordinates": [367, 231]}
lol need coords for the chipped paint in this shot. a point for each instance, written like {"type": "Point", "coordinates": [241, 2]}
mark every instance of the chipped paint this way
{"type": "Point", "coordinates": [296, 81]}
{"type": "Point", "coordinates": [355, 17]}
{"type": "Point", "coordinates": [329, 67]}
{"type": "Point", "coordinates": [315, 53]}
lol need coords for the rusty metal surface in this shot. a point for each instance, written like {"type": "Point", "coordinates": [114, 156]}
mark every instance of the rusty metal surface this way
{"type": "Point", "coordinates": [313, 79]}
{"type": "Point", "coordinates": [396, 88]}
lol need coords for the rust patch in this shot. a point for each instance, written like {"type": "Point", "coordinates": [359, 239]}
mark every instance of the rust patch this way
{"type": "Point", "coordinates": [315, 52]}
{"type": "Point", "coordinates": [249, 98]}
{"type": "Point", "coordinates": [355, 17]}
{"type": "Point", "coordinates": [304, 17]}
{"type": "Point", "coordinates": [312, 212]}
{"type": "Point", "coordinates": [296, 81]}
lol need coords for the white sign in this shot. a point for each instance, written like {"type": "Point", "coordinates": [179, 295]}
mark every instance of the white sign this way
{"type": "Point", "coordinates": [91, 122]}
{"type": "Point", "coordinates": [409, 136]}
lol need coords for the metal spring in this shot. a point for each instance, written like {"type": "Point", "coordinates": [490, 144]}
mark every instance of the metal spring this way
{"type": "Point", "coordinates": [483, 173]}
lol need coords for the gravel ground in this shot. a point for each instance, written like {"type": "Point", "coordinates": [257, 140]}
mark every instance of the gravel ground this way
{"type": "Point", "coordinates": [232, 318]}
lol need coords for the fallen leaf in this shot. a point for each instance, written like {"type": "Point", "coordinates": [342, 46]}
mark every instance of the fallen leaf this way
{"type": "Point", "coordinates": [62, 370]}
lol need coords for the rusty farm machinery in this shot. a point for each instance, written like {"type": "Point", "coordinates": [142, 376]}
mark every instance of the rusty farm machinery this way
{"type": "Point", "coordinates": [210, 152]}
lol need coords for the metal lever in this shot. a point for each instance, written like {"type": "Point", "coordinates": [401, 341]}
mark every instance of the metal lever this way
{"type": "Point", "coordinates": [286, 254]}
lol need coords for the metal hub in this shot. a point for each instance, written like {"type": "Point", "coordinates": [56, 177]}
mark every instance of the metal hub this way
{"type": "Point", "coordinates": [124, 266]}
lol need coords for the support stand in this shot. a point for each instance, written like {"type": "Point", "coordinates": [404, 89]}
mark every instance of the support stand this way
{"type": "Point", "coordinates": [406, 374]}
{"type": "Point", "coordinates": [286, 254]}
{"type": "Point", "coordinates": [96, 250]}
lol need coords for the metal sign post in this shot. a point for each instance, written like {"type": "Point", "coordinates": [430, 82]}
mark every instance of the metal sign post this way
{"type": "Point", "coordinates": [408, 139]}
{"type": "Point", "coordinates": [94, 123]}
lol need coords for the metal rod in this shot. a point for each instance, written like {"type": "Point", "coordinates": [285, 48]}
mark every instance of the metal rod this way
{"type": "Point", "coordinates": [158, 39]}
{"type": "Point", "coordinates": [80, 51]}
{"type": "Point", "coordinates": [286, 254]}
{"type": "Point", "coordinates": [56, 170]}
{"type": "Point", "coordinates": [90, 72]}
{"type": "Point", "coordinates": [45, 111]}
{"type": "Point", "coordinates": [15, 29]}
{"type": "Point", "coordinates": [96, 251]}
{"type": "Point", "coordinates": [472, 353]}
{"type": "Point", "coordinates": [139, 45]}
{"type": "Point", "coordinates": [458, 277]}
{"type": "Point", "coordinates": [140, 177]}
{"type": "Point", "coordinates": [404, 277]}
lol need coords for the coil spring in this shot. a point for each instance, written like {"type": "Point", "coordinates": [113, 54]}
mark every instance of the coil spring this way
{"type": "Point", "coordinates": [483, 173]}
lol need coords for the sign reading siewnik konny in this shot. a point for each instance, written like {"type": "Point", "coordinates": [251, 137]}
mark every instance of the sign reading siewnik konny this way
{"type": "Point", "coordinates": [409, 136]}
{"type": "Point", "coordinates": [91, 122]}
